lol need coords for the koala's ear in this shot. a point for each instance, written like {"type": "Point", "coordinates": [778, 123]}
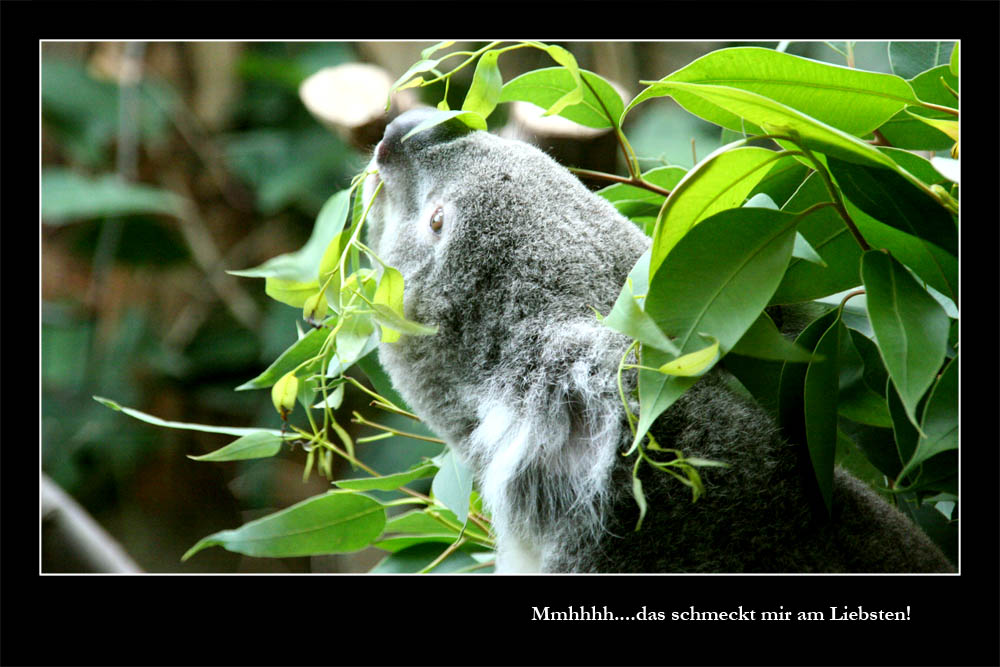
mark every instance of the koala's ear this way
{"type": "Point", "coordinates": [556, 424]}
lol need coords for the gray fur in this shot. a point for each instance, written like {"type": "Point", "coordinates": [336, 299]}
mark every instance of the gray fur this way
{"type": "Point", "coordinates": [521, 382]}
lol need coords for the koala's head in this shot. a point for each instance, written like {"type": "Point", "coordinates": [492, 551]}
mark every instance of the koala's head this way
{"type": "Point", "coordinates": [501, 248]}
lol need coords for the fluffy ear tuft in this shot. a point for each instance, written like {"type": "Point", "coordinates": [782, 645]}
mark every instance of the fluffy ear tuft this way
{"type": "Point", "coordinates": [546, 442]}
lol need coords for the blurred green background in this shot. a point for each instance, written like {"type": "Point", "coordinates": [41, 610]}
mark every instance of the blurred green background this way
{"type": "Point", "coordinates": [163, 165]}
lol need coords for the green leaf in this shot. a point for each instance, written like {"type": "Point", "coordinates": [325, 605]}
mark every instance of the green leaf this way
{"type": "Point", "coordinates": [393, 324]}
{"type": "Point", "coordinates": [893, 200]}
{"type": "Point", "coordinates": [353, 338]}
{"type": "Point", "coordinates": [68, 196]}
{"type": "Point", "coordinates": [484, 91]}
{"type": "Point", "coordinates": [716, 280]}
{"type": "Point", "coordinates": [826, 233]}
{"type": "Point", "coordinates": [566, 59]}
{"type": "Point", "coordinates": [777, 118]}
{"type": "Point", "coordinates": [720, 181]}
{"type": "Point", "coordinates": [693, 363]}
{"type": "Point", "coordinates": [142, 416]}
{"type": "Point", "coordinates": [329, 524]}
{"type": "Point", "coordinates": [908, 59]}
{"type": "Point", "coordinates": [628, 318]}
{"type": "Point", "coordinates": [791, 386]}
{"type": "Point", "coordinates": [940, 420]}
{"type": "Point", "coordinates": [820, 408]}
{"type": "Point", "coordinates": [953, 64]}
{"type": "Point", "coordinates": [858, 401]}
{"type": "Point", "coordinates": [911, 328]}
{"type": "Point", "coordinates": [544, 87]}
{"type": "Point", "coordinates": [415, 558]}
{"type": "Point", "coordinates": [301, 266]}
{"type": "Point", "coordinates": [290, 292]}
{"type": "Point", "coordinates": [452, 485]}
{"type": "Point", "coordinates": [934, 265]}
{"type": "Point", "coordinates": [304, 348]}
{"type": "Point", "coordinates": [388, 482]}
{"type": "Point", "coordinates": [254, 446]}
{"type": "Point", "coordinates": [470, 118]}
{"type": "Point", "coordinates": [763, 341]}
{"type": "Point", "coordinates": [851, 100]}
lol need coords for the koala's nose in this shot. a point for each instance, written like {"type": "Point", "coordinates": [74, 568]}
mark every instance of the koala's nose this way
{"type": "Point", "coordinates": [392, 141]}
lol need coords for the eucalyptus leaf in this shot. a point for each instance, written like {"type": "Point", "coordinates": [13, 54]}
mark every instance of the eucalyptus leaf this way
{"type": "Point", "coordinates": [851, 100]}
{"type": "Point", "coordinates": [329, 524]}
{"type": "Point", "coordinates": [304, 348]}
{"type": "Point", "coordinates": [720, 181]}
{"type": "Point", "coordinates": [253, 446]}
{"type": "Point", "coordinates": [388, 482]}
{"type": "Point", "coordinates": [715, 281]}
{"type": "Point", "coordinates": [156, 421]}
{"type": "Point", "coordinates": [940, 419]}
{"type": "Point", "coordinates": [909, 59]}
{"type": "Point", "coordinates": [300, 266]}
{"type": "Point", "coordinates": [820, 394]}
{"type": "Point", "coordinates": [452, 485]}
{"type": "Point", "coordinates": [911, 328]}
{"type": "Point", "coordinates": [763, 341]}
{"type": "Point", "coordinates": [544, 87]}
{"type": "Point", "coordinates": [484, 91]}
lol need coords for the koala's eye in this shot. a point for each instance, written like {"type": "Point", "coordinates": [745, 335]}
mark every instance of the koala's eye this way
{"type": "Point", "coordinates": [437, 220]}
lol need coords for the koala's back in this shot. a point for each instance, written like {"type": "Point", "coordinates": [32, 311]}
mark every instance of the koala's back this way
{"type": "Point", "coordinates": [755, 516]}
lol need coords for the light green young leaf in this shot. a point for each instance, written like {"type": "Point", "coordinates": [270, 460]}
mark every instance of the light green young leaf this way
{"type": "Point", "coordinates": [566, 59]}
{"type": "Point", "coordinates": [329, 524]}
{"type": "Point", "coordinates": [692, 364]}
{"type": "Point", "coordinates": [953, 64]}
{"type": "Point", "coordinates": [253, 446]}
{"type": "Point", "coordinates": [544, 87]}
{"type": "Point", "coordinates": [470, 118]}
{"type": "Point", "coordinates": [911, 328]}
{"type": "Point", "coordinates": [290, 292]}
{"type": "Point", "coordinates": [300, 266]}
{"type": "Point", "coordinates": [720, 181]}
{"type": "Point", "coordinates": [304, 348]}
{"type": "Point", "coordinates": [156, 421]}
{"type": "Point", "coordinates": [853, 101]}
{"type": "Point", "coordinates": [484, 91]}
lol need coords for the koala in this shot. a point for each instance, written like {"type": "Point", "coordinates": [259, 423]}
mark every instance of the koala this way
{"type": "Point", "coordinates": [508, 254]}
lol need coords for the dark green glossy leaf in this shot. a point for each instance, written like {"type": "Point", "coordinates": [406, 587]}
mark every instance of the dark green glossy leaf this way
{"type": "Point", "coordinates": [763, 341]}
{"type": "Point", "coordinates": [415, 558]}
{"type": "Point", "coordinates": [940, 419]}
{"type": "Point", "coordinates": [826, 232]}
{"type": "Point", "coordinates": [893, 200]}
{"type": "Point", "coordinates": [791, 407]}
{"type": "Point", "coordinates": [820, 395]}
{"type": "Point", "coordinates": [911, 328]}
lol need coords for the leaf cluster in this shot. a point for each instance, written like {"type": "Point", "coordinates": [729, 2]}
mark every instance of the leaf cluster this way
{"type": "Point", "coordinates": [829, 212]}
